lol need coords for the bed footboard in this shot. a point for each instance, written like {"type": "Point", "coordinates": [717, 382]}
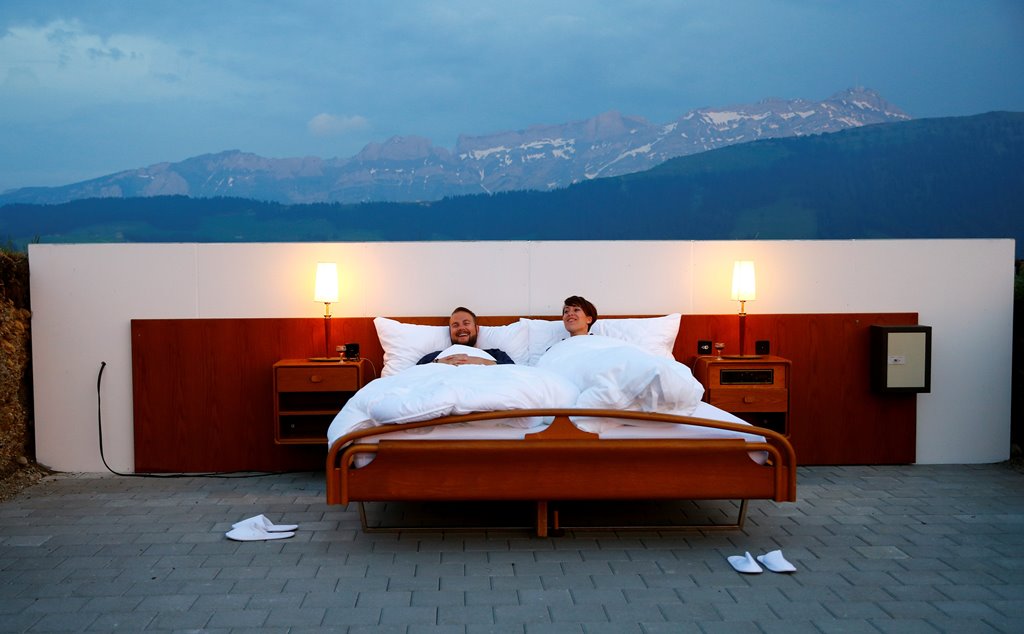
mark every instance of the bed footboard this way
{"type": "Point", "coordinates": [562, 463]}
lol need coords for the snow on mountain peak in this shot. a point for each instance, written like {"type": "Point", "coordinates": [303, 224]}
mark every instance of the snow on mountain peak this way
{"type": "Point", "coordinates": [542, 157]}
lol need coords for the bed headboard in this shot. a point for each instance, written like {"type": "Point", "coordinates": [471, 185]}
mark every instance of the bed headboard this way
{"type": "Point", "coordinates": [202, 388]}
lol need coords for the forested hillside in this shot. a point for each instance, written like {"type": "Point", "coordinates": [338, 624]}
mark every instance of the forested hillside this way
{"type": "Point", "coordinates": [930, 178]}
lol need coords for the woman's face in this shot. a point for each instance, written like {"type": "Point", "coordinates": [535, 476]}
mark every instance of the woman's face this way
{"type": "Point", "coordinates": [575, 320]}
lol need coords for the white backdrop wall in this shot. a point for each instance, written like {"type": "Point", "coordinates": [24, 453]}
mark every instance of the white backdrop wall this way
{"type": "Point", "coordinates": [84, 297]}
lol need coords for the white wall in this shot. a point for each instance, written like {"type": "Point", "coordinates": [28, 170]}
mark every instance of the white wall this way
{"type": "Point", "coordinates": [84, 296]}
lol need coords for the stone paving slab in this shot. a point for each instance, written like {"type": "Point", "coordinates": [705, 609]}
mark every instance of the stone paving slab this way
{"type": "Point", "coordinates": [878, 549]}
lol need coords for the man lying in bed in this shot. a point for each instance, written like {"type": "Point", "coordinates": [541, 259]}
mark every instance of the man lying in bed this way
{"type": "Point", "coordinates": [464, 332]}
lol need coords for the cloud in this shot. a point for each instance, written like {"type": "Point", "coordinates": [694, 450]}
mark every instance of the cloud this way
{"type": "Point", "coordinates": [69, 62]}
{"type": "Point", "coordinates": [92, 83]}
{"type": "Point", "coordinates": [324, 124]}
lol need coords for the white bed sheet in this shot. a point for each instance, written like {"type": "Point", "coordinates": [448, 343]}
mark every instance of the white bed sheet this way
{"type": "Point", "coordinates": [501, 430]}
{"type": "Point", "coordinates": [583, 372]}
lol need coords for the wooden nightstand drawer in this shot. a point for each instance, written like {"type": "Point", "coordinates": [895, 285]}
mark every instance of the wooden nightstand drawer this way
{"type": "Point", "coordinates": [754, 388]}
{"type": "Point", "coordinates": [763, 375]}
{"type": "Point", "coordinates": [326, 379]}
{"type": "Point", "coordinates": [308, 395]}
{"type": "Point", "coordinates": [750, 400]}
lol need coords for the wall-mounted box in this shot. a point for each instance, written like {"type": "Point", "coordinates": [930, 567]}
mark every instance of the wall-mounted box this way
{"type": "Point", "coordinates": [901, 359]}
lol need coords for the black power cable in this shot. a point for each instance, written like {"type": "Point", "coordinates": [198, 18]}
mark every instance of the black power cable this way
{"type": "Point", "coordinates": [99, 425]}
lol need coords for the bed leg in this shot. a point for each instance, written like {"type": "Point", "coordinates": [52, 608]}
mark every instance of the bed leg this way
{"type": "Point", "coordinates": [556, 523]}
{"type": "Point", "coordinates": [542, 518]}
{"type": "Point", "coordinates": [743, 514]}
{"type": "Point", "coordinates": [362, 519]}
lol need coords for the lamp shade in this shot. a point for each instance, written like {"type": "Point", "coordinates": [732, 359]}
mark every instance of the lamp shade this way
{"type": "Point", "coordinates": [743, 285]}
{"type": "Point", "coordinates": [326, 282]}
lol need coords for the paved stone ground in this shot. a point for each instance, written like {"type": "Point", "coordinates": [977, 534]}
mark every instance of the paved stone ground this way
{"type": "Point", "coordinates": [878, 549]}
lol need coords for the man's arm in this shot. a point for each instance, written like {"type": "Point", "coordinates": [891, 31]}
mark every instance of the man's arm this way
{"type": "Point", "coordinates": [428, 358]}
{"type": "Point", "coordinates": [500, 357]}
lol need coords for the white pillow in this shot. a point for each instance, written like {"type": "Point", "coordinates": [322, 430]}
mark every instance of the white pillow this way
{"type": "Point", "coordinates": [513, 340]}
{"type": "Point", "coordinates": [656, 335]}
{"type": "Point", "coordinates": [405, 344]}
{"type": "Point", "coordinates": [543, 333]}
{"type": "Point", "coordinates": [469, 351]}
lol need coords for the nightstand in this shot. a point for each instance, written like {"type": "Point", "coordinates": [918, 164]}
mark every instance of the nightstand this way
{"type": "Point", "coordinates": [308, 395]}
{"type": "Point", "coordinates": [756, 388]}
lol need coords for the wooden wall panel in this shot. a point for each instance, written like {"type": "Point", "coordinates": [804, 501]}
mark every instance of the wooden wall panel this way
{"type": "Point", "coordinates": [202, 393]}
{"type": "Point", "coordinates": [203, 387]}
{"type": "Point", "coordinates": [835, 418]}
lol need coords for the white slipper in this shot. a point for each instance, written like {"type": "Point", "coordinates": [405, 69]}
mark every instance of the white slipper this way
{"type": "Point", "coordinates": [262, 522]}
{"type": "Point", "coordinates": [255, 534]}
{"type": "Point", "coordinates": [744, 563]}
{"type": "Point", "coordinates": [775, 562]}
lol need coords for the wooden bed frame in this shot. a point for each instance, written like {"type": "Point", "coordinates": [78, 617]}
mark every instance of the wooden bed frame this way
{"type": "Point", "coordinates": [561, 463]}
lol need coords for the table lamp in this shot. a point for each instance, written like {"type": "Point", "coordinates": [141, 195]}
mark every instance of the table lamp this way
{"type": "Point", "coordinates": [326, 292]}
{"type": "Point", "coordinates": [743, 291]}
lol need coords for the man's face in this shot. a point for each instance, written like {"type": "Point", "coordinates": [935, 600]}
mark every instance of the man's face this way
{"type": "Point", "coordinates": [463, 328]}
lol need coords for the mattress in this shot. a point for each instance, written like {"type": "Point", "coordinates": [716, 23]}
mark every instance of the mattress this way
{"type": "Point", "coordinates": [501, 430]}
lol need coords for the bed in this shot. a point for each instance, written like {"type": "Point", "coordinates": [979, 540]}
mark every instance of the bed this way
{"type": "Point", "coordinates": [603, 418]}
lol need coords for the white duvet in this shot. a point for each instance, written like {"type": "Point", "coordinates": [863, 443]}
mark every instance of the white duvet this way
{"type": "Point", "coordinates": [427, 391]}
{"type": "Point", "coordinates": [613, 374]}
{"type": "Point", "coordinates": [583, 372]}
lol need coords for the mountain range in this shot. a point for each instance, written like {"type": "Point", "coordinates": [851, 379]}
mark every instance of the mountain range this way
{"type": "Point", "coordinates": [957, 177]}
{"type": "Point", "coordinates": [542, 158]}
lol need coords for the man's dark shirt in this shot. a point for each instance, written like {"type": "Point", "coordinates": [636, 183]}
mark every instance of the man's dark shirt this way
{"type": "Point", "coordinates": [499, 357]}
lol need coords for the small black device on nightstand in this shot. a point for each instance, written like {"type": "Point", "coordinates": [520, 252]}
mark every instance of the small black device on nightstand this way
{"type": "Point", "coordinates": [351, 352]}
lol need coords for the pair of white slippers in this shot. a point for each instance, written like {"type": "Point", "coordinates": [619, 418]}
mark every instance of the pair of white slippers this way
{"type": "Point", "coordinates": [773, 561]}
{"type": "Point", "coordinates": [259, 528]}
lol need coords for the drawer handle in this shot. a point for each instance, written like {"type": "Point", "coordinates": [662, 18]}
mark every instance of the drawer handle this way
{"type": "Point", "coordinates": [316, 378]}
{"type": "Point", "coordinates": [749, 399]}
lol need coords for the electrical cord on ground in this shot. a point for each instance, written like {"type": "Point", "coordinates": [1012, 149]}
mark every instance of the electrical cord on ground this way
{"type": "Point", "coordinates": [99, 426]}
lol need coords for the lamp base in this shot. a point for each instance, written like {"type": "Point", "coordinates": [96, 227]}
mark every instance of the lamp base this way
{"type": "Point", "coordinates": [325, 359]}
{"type": "Point", "coordinates": [742, 356]}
